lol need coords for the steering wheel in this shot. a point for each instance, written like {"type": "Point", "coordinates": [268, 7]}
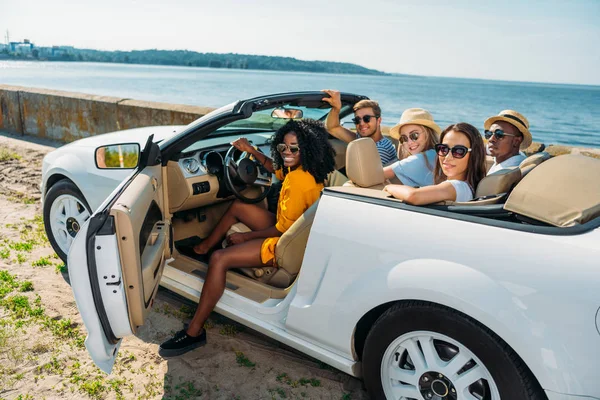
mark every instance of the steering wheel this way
{"type": "Point", "coordinates": [244, 172]}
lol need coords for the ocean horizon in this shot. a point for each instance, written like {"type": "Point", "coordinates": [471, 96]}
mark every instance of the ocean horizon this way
{"type": "Point", "coordinates": [559, 113]}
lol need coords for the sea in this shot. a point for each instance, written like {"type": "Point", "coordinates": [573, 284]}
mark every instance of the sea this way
{"type": "Point", "coordinates": [557, 113]}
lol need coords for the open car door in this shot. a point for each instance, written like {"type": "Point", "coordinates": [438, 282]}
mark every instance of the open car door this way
{"type": "Point", "coordinates": [116, 263]}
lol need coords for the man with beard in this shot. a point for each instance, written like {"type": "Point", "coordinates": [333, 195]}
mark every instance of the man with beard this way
{"type": "Point", "coordinates": [507, 133]}
{"type": "Point", "coordinates": [367, 118]}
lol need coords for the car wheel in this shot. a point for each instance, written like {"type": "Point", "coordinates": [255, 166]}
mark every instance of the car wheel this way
{"type": "Point", "coordinates": [423, 351]}
{"type": "Point", "coordinates": [65, 211]}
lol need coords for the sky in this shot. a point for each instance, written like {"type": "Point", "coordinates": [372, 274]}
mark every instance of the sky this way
{"type": "Point", "coordinates": [538, 41]}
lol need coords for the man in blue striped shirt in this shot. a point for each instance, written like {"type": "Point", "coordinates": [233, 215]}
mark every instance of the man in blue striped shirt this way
{"type": "Point", "coordinates": [367, 118]}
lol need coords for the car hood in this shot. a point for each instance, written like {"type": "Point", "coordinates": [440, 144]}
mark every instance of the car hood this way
{"type": "Point", "coordinates": [136, 135]}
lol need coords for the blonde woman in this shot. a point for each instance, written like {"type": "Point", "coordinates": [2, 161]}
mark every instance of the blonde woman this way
{"type": "Point", "coordinates": [417, 134]}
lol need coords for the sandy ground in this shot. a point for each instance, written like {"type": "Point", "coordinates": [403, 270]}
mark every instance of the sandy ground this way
{"type": "Point", "coordinates": [41, 332]}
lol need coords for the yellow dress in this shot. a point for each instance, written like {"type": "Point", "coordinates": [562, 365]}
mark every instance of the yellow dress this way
{"type": "Point", "coordinates": [298, 192]}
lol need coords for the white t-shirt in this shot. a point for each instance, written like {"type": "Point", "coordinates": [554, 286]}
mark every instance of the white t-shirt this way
{"type": "Point", "coordinates": [463, 190]}
{"type": "Point", "coordinates": [413, 171]}
{"type": "Point", "coordinates": [514, 161]}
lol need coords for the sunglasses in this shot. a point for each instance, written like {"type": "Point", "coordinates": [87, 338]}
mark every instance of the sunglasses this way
{"type": "Point", "coordinates": [458, 151]}
{"type": "Point", "coordinates": [366, 118]}
{"type": "Point", "coordinates": [499, 133]}
{"type": "Point", "coordinates": [414, 136]}
{"type": "Point", "coordinates": [293, 148]}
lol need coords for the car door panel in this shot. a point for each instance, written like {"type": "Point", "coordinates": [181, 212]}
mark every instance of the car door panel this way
{"type": "Point", "coordinates": [142, 235]}
{"type": "Point", "coordinates": [101, 345]}
{"type": "Point", "coordinates": [123, 245]}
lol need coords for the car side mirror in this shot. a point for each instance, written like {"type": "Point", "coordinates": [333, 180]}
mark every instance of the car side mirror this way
{"type": "Point", "coordinates": [289, 113]}
{"type": "Point", "coordinates": [118, 156]}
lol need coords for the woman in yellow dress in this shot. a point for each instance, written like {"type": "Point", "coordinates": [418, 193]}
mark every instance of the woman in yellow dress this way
{"type": "Point", "coordinates": [302, 158]}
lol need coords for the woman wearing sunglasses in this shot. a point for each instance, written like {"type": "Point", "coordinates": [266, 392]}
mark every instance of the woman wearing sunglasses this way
{"type": "Point", "coordinates": [460, 167]}
{"type": "Point", "coordinates": [417, 133]}
{"type": "Point", "coordinates": [302, 158]}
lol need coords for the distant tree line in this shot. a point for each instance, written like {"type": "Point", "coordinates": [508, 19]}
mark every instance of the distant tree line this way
{"type": "Point", "coordinates": [212, 60]}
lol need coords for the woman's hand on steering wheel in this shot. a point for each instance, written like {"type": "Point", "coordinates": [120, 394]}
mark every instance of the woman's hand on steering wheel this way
{"type": "Point", "coordinates": [243, 144]}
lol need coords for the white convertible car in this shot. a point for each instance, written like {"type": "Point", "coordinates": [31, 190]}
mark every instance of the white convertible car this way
{"type": "Point", "coordinates": [497, 298]}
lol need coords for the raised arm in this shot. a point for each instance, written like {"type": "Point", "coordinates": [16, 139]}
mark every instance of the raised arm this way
{"type": "Point", "coordinates": [332, 124]}
{"type": "Point", "coordinates": [425, 195]}
{"type": "Point", "coordinates": [243, 145]}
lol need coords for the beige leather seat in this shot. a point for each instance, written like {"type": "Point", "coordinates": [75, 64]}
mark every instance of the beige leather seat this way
{"type": "Point", "coordinates": [289, 252]}
{"type": "Point", "coordinates": [363, 165]}
{"type": "Point", "coordinates": [563, 191]}
{"type": "Point", "coordinates": [533, 161]}
{"type": "Point", "coordinates": [499, 182]}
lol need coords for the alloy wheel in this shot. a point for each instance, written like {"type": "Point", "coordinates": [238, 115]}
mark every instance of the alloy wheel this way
{"type": "Point", "coordinates": [427, 365]}
{"type": "Point", "coordinates": [67, 215]}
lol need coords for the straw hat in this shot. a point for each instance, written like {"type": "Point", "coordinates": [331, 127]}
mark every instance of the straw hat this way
{"type": "Point", "coordinates": [515, 119]}
{"type": "Point", "coordinates": [415, 116]}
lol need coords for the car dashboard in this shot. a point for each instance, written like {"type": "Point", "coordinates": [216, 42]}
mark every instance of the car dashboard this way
{"type": "Point", "coordinates": [197, 179]}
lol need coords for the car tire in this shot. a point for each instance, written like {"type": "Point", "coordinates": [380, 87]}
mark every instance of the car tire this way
{"type": "Point", "coordinates": [453, 354]}
{"type": "Point", "coordinates": [65, 211]}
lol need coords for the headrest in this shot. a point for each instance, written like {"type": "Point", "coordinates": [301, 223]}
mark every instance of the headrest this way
{"type": "Point", "coordinates": [499, 182]}
{"type": "Point", "coordinates": [363, 164]}
{"type": "Point", "coordinates": [563, 191]}
{"type": "Point", "coordinates": [534, 159]}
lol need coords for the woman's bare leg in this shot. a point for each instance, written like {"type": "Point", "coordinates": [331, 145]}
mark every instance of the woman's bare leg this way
{"type": "Point", "coordinates": [245, 254]}
{"type": "Point", "coordinates": [253, 216]}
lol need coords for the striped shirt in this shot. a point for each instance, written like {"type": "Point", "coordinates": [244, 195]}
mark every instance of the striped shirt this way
{"type": "Point", "coordinates": [386, 149]}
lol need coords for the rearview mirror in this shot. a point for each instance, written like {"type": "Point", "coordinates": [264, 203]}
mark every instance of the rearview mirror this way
{"type": "Point", "coordinates": [289, 113]}
{"type": "Point", "coordinates": [118, 156]}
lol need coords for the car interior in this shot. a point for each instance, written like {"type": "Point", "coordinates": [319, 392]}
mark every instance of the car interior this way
{"type": "Point", "coordinates": [200, 190]}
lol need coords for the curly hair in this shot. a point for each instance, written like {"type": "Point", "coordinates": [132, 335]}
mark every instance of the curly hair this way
{"type": "Point", "coordinates": [316, 154]}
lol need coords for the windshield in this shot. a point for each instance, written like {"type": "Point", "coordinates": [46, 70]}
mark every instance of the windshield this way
{"type": "Point", "coordinates": [264, 121]}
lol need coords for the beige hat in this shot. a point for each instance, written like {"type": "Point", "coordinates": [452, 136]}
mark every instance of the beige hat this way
{"type": "Point", "coordinates": [416, 116]}
{"type": "Point", "coordinates": [515, 119]}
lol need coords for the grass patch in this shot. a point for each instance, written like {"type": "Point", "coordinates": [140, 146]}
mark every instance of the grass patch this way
{"type": "Point", "coordinates": [185, 390]}
{"type": "Point", "coordinates": [26, 286]}
{"type": "Point", "coordinates": [54, 366]}
{"type": "Point", "coordinates": [230, 330]}
{"type": "Point", "coordinates": [65, 329]}
{"type": "Point", "coordinates": [7, 155]}
{"type": "Point", "coordinates": [21, 258]}
{"type": "Point", "coordinates": [279, 391]}
{"type": "Point", "coordinates": [4, 253]}
{"type": "Point", "coordinates": [26, 245]}
{"type": "Point", "coordinates": [312, 382]}
{"type": "Point", "coordinates": [60, 268]}
{"type": "Point", "coordinates": [22, 198]}
{"type": "Point", "coordinates": [93, 388]}
{"type": "Point", "coordinates": [21, 309]}
{"type": "Point", "coordinates": [243, 361]}
{"type": "Point", "coordinates": [42, 262]}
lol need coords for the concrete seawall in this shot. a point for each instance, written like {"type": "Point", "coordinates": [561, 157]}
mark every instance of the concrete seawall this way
{"type": "Point", "coordinates": [68, 116]}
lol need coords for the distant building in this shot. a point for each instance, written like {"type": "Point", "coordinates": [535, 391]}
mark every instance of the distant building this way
{"type": "Point", "coordinates": [24, 47]}
{"type": "Point", "coordinates": [59, 51]}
